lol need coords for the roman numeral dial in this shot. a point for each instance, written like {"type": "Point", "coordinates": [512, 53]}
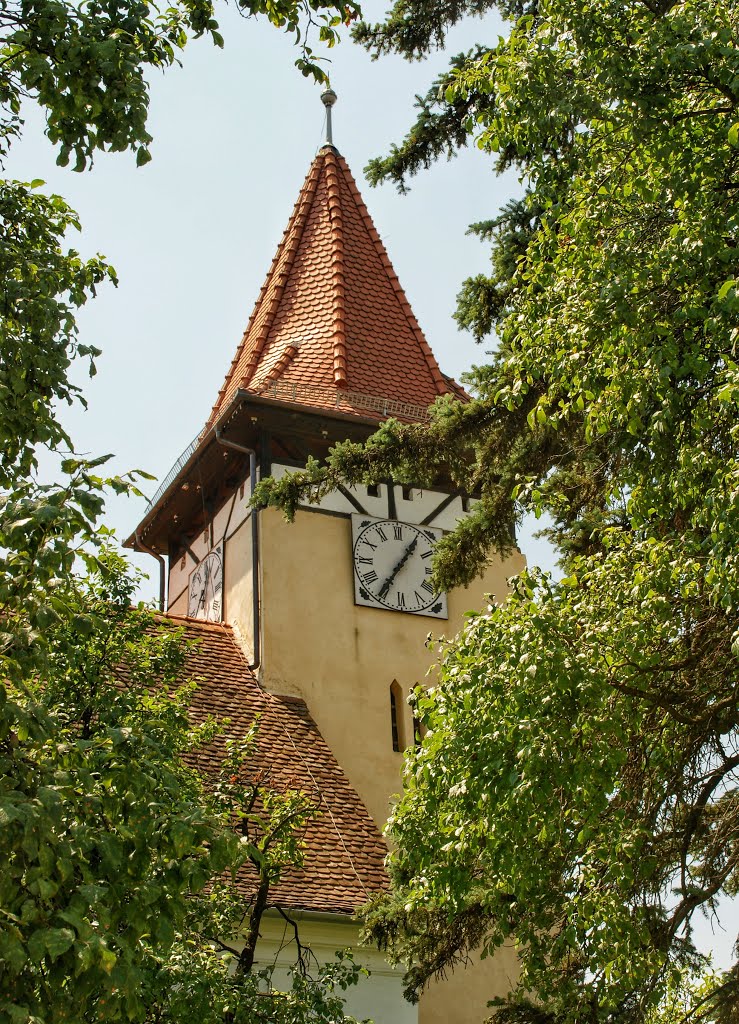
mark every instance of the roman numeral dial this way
{"type": "Point", "coordinates": [205, 599]}
{"type": "Point", "coordinates": [392, 566]}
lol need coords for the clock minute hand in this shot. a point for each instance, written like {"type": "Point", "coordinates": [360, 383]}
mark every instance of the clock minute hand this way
{"type": "Point", "coordinates": [205, 587]}
{"type": "Point", "coordinates": [391, 578]}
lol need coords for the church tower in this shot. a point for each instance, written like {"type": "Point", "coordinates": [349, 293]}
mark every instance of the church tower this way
{"type": "Point", "coordinates": [334, 608]}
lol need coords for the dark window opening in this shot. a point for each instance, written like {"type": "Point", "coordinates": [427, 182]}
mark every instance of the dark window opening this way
{"type": "Point", "coordinates": [373, 490]}
{"type": "Point", "coordinates": [407, 493]}
{"type": "Point", "coordinates": [396, 716]}
{"type": "Point", "coordinates": [418, 731]}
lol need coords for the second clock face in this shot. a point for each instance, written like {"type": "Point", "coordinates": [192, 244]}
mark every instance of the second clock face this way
{"type": "Point", "coordinates": [205, 599]}
{"type": "Point", "coordinates": [392, 566]}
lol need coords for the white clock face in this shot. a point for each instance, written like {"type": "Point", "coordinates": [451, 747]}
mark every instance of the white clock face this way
{"type": "Point", "coordinates": [392, 566]}
{"type": "Point", "coordinates": [205, 597]}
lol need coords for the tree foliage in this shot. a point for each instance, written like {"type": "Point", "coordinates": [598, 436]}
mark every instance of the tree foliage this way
{"type": "Point", "coordinates": [577, 789]}
{"type": "Point", "coordinates": [196, 984]}
{"type": "Point", "coordinates": [104, 833]}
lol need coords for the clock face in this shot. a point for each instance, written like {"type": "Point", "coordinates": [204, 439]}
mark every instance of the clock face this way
{"type": "Point", "coordinates": [205, 598]}
{"type": "Point", "coordinates": [392, 566]}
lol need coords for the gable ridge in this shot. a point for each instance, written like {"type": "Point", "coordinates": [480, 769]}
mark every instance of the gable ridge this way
{"type": "Point", "coordinates": [338, 283]}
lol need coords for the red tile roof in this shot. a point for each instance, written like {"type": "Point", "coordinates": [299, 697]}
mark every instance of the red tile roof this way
{"type": "Point", "coordinates": [344, 851]}
{"type": "Point", "coordinates": [332, 323]}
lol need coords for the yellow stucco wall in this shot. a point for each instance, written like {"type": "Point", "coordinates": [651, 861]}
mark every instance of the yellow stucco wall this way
{"type": "Point", "coordinates": [462, 997]}
{"type": "Point", "coordinates": [340, 657]}
{"type": "Point", "coordinates": [237, 585]}
{"type": "Point", "coordinates": [178, 606]}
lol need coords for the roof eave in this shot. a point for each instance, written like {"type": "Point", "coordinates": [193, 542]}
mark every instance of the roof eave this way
{"type": "Point", "coordinates": [367, 424]}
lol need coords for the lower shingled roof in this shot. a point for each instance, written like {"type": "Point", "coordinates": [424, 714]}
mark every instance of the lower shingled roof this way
{"type": "Point", "coordinates": [344, 851]}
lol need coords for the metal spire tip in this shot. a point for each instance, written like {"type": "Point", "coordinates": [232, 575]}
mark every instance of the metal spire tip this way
{"type": "Point", "coordinates": [328, 98]}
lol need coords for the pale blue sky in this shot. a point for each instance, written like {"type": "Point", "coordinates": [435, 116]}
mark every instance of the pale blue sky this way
{"type": "Point", "coordinates": [192, 234]}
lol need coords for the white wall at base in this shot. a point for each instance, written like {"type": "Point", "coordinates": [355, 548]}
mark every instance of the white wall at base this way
{"type": "Point", "coordinates": [379, 996]}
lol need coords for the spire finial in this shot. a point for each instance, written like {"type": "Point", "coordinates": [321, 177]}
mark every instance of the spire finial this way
{"type": "Point", "coordinates": [328, 98]}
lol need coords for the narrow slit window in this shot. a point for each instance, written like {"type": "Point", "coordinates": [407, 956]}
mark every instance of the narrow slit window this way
{"type": "Point", "coordinates": [407, 493]}
{"type": "Point", "coordinates": [396, 716]}
{"type": "Point", "coordinates": [418, 731]}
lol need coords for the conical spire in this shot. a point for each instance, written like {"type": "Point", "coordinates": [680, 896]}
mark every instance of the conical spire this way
{"type": "Point", "coordinates": [332, 326]}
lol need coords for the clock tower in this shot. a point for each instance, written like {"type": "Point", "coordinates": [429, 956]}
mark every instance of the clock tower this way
{"type": "Point", "coordinates": [334, 608]}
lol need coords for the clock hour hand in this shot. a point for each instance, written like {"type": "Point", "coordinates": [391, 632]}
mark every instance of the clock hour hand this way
{"type": "Point", "coordinates": [385, 588]}
{"type": "Point", "coordinates": [204, 588]}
